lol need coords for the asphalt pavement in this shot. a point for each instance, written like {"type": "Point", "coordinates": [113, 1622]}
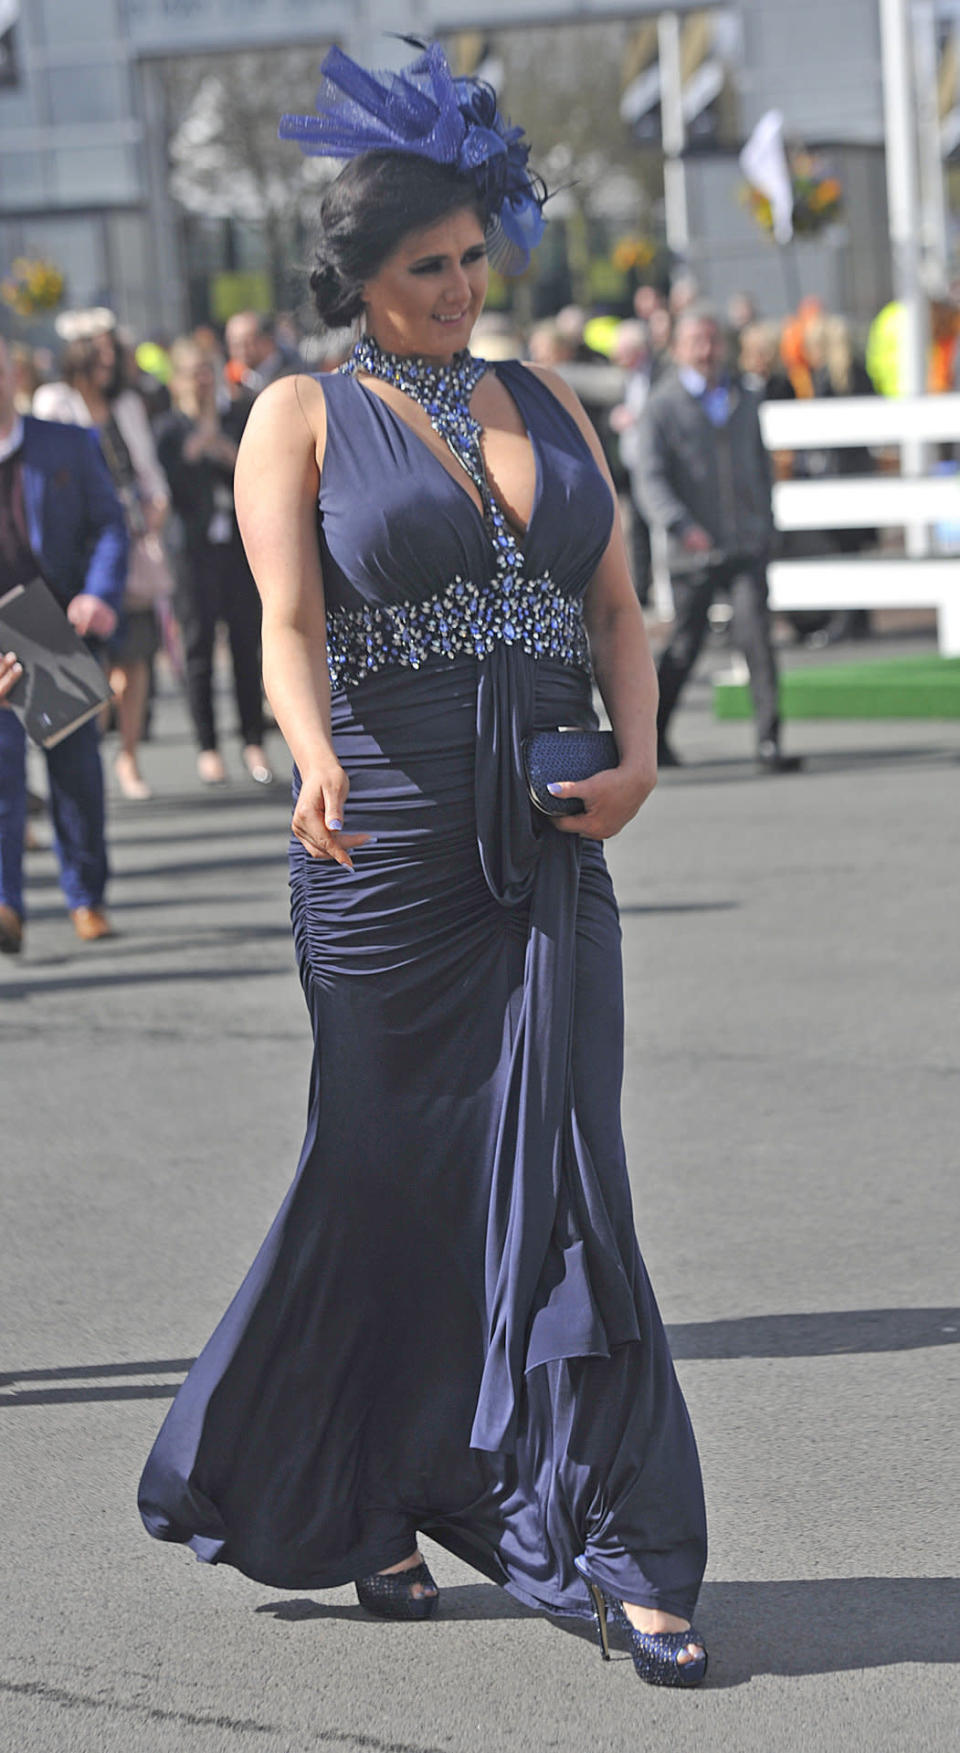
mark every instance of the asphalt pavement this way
{"type": "Point", "coordinates": [791, 1112]}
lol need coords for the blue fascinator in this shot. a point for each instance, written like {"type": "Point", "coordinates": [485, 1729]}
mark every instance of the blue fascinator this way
{"type": "Point", "coordinates": [425, 111]}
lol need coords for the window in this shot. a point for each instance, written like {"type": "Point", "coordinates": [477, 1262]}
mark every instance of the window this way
{"type": "Point", "coordinates": [23, 180]}
{"type": "Point", "coordinates": [90, 175]}
{"type": "Point", "coordinates": [77, 247]}
{"type": "Point", "coordinates": [77, 20]}
{"type": "Point", "coordinates": [88, 94]}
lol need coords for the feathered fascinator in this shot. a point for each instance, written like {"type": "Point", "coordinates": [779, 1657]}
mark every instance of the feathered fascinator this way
{"type": "Point", "coordinates": [425, 111]}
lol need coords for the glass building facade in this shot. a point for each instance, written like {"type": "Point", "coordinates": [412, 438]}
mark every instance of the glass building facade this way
{"type": "Point", "coordinates": [75, 183]}
{"type": "Point", "coordinates": [84, 178]}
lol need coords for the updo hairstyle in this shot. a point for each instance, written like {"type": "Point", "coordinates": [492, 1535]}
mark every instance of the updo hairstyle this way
{"type": "Point", "coordinates": [377, 198]}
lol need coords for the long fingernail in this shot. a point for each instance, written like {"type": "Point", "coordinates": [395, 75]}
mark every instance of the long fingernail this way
{"type": "Point", "coordinates": [556, 790]}
{"type": "Point", "coordinates": [335, 824]}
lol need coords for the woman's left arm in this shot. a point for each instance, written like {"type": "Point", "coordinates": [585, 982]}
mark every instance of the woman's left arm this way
{"type": "Point", "coordinates": [131, 417]}
{"type": "Point", "coordinates": [623, 666]}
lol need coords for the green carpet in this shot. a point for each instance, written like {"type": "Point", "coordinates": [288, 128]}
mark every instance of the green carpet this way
{"type": "Point", "coordinates": [906, 687]}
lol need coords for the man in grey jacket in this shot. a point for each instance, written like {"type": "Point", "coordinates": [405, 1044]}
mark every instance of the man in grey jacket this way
{"type": "Point", "coordinates": [704, 477]}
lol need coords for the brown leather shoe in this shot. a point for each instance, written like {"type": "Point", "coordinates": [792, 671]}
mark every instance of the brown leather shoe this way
{"type": "Point", "coordinates": [91, 923]}
{"type": "Point", "coordinates": [11, 932]}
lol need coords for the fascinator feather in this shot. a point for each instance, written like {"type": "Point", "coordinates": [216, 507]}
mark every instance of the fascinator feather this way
{"type": "Point", "coordinates": [423, 110]}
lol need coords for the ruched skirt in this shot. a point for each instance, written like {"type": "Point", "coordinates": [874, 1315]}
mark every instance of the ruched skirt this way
{"type": "Point", "coordinates": [448, 1328]}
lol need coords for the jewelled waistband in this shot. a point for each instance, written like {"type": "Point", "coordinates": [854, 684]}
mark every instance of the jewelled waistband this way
{"type": "Point", "coordinates": [463, 617]}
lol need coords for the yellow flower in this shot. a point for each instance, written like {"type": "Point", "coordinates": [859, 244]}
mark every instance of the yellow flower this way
{"type": "Point", "coordinates": [34, 285]}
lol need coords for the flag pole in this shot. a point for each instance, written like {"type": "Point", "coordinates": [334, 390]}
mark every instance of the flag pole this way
{"type": "Point", "coordinates": [791, 274]}
{"type": "Point", "coordinates": [900, 129]}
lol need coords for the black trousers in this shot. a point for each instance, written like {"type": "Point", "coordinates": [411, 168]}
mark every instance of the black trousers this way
{"type": "Point", "coordinates": [745, 581]}
{"type": "Point", "coordinates": [216, 584]}
{"type": "Point", "coordinates": [640, 551]}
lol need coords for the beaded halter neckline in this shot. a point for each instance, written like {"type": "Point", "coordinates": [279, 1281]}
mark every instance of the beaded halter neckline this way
{"type": "Point", "coordinates": [505, 606]}
{"type": "Point", "coordinates": [444, 392]}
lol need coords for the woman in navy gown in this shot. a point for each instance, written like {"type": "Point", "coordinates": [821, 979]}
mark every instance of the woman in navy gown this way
{"type": "Point", "coordinates": [449, 1328]}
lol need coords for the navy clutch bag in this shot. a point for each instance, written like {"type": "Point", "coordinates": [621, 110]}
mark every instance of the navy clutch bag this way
{"type": "Point", "coordinates": [550, 756]}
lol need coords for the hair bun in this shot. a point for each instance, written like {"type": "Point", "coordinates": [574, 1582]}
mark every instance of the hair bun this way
{"type": "Point", "coordinates": [324, 278]}
{"type": "Point", "coordinates": [338, 304]}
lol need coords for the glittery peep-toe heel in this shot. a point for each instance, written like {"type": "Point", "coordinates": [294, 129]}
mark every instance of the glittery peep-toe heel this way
{"type": "Point", "coordinates": [391, 1596]}
{"type": "Point", "coordinates": [655, 1653]}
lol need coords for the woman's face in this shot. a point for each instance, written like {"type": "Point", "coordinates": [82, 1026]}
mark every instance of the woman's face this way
{"type": "Point", "coordinates": [427, 296]}
{"type": "Point", "coordinates": [194, 384]}
{"type": "Point", "coordinates": [202, 379]}
{"type": "Point", "coordinates": [104, 362]}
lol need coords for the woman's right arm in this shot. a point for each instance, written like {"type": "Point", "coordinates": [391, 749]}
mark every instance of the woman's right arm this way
{"type": "Point", "coordinates": [275, 490]}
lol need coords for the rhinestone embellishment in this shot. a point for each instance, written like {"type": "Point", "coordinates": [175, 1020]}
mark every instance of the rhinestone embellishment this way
{"type": "Point", "coordinates": [462, 617]}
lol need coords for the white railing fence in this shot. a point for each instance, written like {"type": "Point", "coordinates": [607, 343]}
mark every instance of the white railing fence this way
{"type": "Point", "coordinates": [873, 580]}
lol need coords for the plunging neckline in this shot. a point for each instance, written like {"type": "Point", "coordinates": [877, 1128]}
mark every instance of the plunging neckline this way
{"type": "Point", "coordinates": [522, 538]}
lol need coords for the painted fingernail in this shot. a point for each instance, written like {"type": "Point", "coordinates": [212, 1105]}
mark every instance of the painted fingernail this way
{"type": "Point", "coordinates": [556, 790]}
{"type": "Point", "coordinates": [335, 824]}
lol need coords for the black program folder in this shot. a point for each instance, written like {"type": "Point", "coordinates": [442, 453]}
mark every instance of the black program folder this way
{"type": "Point", "coordinates": [62, 683]}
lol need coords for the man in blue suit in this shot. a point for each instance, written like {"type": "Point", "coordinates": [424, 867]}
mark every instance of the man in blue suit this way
{"type": "Point", "coordinates": [59, 517]}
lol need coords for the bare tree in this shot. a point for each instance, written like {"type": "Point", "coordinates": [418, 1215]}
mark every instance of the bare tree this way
{"type": "Point", "coordinates": [225, 159]}
{"type": "Point", "coordinates": [565, 85]}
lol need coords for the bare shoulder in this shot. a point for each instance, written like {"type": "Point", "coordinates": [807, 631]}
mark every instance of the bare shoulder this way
{"type": "Point", "coordinates": [569, 400]}
{"type": "Point", "coordinates": [291, 414]}
{"type": "Point", "coordinates": [561, 389]}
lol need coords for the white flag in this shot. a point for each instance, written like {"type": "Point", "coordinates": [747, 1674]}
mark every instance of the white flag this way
{"type": "Point", "coordinates": [764, 164]}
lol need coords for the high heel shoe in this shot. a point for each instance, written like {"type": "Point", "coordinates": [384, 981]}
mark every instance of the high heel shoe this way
{"type": "Point", "coordinates": [257, 765]}
{"type": "Point", "coordinates": [130, 779]}
{"type": "Point", "coordinates": [654, 1653]}
{"type": "Point", "coordinates": [391, 1596]}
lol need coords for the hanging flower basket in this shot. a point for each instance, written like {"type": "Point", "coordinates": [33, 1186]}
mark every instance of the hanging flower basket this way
{"type": "Point", "coordinates": [817, 195]}
{"type": "Point", "coordinates": [32, 287]}
{"type": "Point", "coordinates": [633, 255]}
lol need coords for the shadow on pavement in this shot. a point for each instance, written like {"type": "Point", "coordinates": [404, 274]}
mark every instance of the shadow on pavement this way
{"type": "Point", "coordinates": [47, 1394]}
{"type": "Point", "coordinates": [197, 866]}
{"type": "Point", "coordinates": [149, 977]}
{"type": "Point", "coordinates": [827, 1625]}
{"type": "Point", "coordinates": [211, 799]}
{"type": "Point", "coordinates": [277, 826]}
{"type": "Point", "coordinates": [148, 941]}
{"type": "Point", "coordinates": [463, 1602]}
{"type": "Point", "coordinates": [821, 1626]}
{"type": "Point", "coordinates": [678, 907]}
{"type": "Point", "coordinates": [827, 1335]}
{"type": "Point", "coordinates": [50, 911]}
{"type": "Point", "coordinates": [850, 1331]}
{"type": "Point", "coordinates": [817, 763]}
{"type": "Point", "coordinates": [48, 879]}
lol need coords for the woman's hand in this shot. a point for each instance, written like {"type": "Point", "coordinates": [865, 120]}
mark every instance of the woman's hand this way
{"type": "Point", "coordinates": [91, 617]}
{"type": "Point", "coordinates": [10, 672]}
{"type": "Point", "coordinates": [318, 816]}
{"type": "Point", "coordinates": [611, 798]}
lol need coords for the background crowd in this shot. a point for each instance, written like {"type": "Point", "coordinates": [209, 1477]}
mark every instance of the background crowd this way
{"type": "Point", "coordinates": [170, 414]}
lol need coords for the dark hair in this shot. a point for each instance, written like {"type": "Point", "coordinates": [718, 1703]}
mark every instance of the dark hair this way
{"type": "Point", "coordinates": [77, 360]}
{"type": "Point", "coordinates": [700, 311]}
{"type": "Point", "coordinates": [377, 198]}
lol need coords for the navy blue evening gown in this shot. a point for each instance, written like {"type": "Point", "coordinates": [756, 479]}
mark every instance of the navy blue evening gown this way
{"type": "Point", "coordinates": [449, 1327]}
